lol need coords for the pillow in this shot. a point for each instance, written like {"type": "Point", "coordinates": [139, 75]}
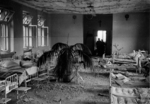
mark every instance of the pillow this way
{"type": "Point", "coordinates": [8, 64]}
{"type": "Point", "coordinates": [32, 70]}
{"type": "Point", "coordinates": [26, 64]}
{"type": "Point", "coordinates": [27, 54]}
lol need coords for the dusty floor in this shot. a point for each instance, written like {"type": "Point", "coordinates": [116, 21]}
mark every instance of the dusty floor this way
{"type": "Point", "coordinates": [93, 90]}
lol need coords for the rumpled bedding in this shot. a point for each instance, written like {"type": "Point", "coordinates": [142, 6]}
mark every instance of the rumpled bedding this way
{"type": "Point", "coordinates": [9, 64]}
{"type": "Point", "coordinates": [26, 64]}
{"type": "Point", "coordinates": [123, 100]}
{"type": "Point", "coordinates": [9, 67]}
{"type": "Point", "coordinates": [28, 72]}
{"type": "Point", "coordinates": [125, 61]}
{"type": "Point", "coordinates": [125, 92]}
{"type": "Point", "coordinates": [130, 95]}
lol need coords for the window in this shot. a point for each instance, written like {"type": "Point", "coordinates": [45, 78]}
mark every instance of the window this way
{"type": "Point", "coordinates": [42, 32]}
{"type": "Point", "coordinates": [27, 30]}
{"type": "Point", "coordinates": [5, 27]}
{"type": "Point", "coordinates": [101, 34]}
{"type": "Point", "coordinates": [27, 36]}
{"type": "Point", "coordinates": [4, 37]}
{"type": "Point", "coordinates": [41, 36]}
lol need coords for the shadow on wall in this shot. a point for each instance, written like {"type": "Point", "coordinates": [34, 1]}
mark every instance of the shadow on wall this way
{"type": "Point", "coordinates": [142, 40]}
{"type": "Point", "coordinates": [90, 42]}
{"type": "Point", "coordinates": [92, 25]}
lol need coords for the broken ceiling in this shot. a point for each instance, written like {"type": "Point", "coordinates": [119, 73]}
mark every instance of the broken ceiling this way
{"type": "Point", "coordinates": [88, 6]}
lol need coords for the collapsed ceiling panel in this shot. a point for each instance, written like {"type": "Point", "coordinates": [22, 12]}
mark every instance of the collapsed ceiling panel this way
{"type": "Point", "coordinates": [88, 6]}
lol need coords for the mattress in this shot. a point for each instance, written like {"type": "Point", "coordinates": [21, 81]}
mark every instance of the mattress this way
{"type": "Point", "coordinates": [124, 92]}
{"type": "Point", "coordinates": [130, 95]}
{"type": "Point", "coordinates": [122, 100]}
{"type": "Point", "coordinates": [7, 66]}
{"type": "Point", "coordinates": [124, 61]}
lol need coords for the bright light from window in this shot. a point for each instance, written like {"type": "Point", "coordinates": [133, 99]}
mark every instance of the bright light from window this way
{"type": "Point", "coordinates": [27, 30]}
{"type": "Point", "coordinates": [101, 34]}
{"type": "Point", "coordinates": [4, 37]}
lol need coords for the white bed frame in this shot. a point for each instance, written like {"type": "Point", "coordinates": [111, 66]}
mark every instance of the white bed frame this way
{"type": "Point", "coordinates": [124, 96]}
{"type": "Point", "coordinates": [8, 85]}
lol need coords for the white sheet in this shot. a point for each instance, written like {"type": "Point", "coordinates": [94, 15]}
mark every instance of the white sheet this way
{"type": "Point", "coordinates": [29, 71]}
{"type": "Point", "coordinates": [32, 70]}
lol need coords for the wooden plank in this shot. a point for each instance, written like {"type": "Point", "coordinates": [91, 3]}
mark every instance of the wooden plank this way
{"type": "Point", "coordinates": [25, 89]}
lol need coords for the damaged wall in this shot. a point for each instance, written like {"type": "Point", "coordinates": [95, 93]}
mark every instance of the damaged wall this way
{"type": "Point", "coordinates": [87, 6]}
{"type": "Point", "coordinates": [18, 27]}
{"type": "Point", "coordinates": [66, 29]}
{"type": "Point", "coordinates": [149, 33]}
{"type": "Point", "coordinates": [131, 34]}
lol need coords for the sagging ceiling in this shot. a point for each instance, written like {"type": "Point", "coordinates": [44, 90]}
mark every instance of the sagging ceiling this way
{"type": "Point", "coordinates": [88, 6]}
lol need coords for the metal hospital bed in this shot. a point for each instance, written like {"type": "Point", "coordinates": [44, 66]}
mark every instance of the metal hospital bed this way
{"type": "Point", "coordinates": [8, 85]}
{"type": "Point", "coordinates": [128, 95]}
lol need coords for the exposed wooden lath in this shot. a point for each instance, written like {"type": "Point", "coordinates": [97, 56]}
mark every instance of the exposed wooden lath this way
{"type": "Point", "coordinates": [88, 6]}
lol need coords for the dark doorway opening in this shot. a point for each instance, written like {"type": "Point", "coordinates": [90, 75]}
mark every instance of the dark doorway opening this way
{"type": "Point", "coordinates": [91, 26]}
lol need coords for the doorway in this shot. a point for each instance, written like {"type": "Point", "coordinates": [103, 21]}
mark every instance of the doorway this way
{"type": "Point", "coordinates": [93, 29]}
{"type": "Point", "coordinates": [101, 35]}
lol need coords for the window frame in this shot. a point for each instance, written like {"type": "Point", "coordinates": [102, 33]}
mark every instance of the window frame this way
{"type": "Point", "coordinates": [5, 37]}
{"type": "Point", "coordinates": [27, 30]}
{"type": "Point", "coordinates": [41, 37]}
{"type": "Point", "coordinates": [42, 34]}
{"type": "Point", "coordinates": [27, 36]}
{"type": "Point", "coordinates": [5, 28]}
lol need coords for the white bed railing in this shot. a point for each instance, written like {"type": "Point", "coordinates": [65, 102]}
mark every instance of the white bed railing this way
{"type": "Point", "coordinates": [8, 85]}
{"type": "Point", "coordinates": [11, 83]}
{"type": "Point", "coordinates": [128, 95]}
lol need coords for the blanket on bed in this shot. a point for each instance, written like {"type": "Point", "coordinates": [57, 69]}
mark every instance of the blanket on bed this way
{"type": "Point", "coordinates": [28, 72]}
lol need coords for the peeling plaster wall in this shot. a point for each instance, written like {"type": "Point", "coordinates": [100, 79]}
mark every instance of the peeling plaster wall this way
{"type": "Point", "coordinates": [131, 34]}
{"type": "Point", "coordinates": [18, 27]}
{"type": "Point", "coordinates": [83, 6]}
{"type": "Point", "coordinates": [65, 28]}
{"type": "Point", "coordinates": [149, 33]}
